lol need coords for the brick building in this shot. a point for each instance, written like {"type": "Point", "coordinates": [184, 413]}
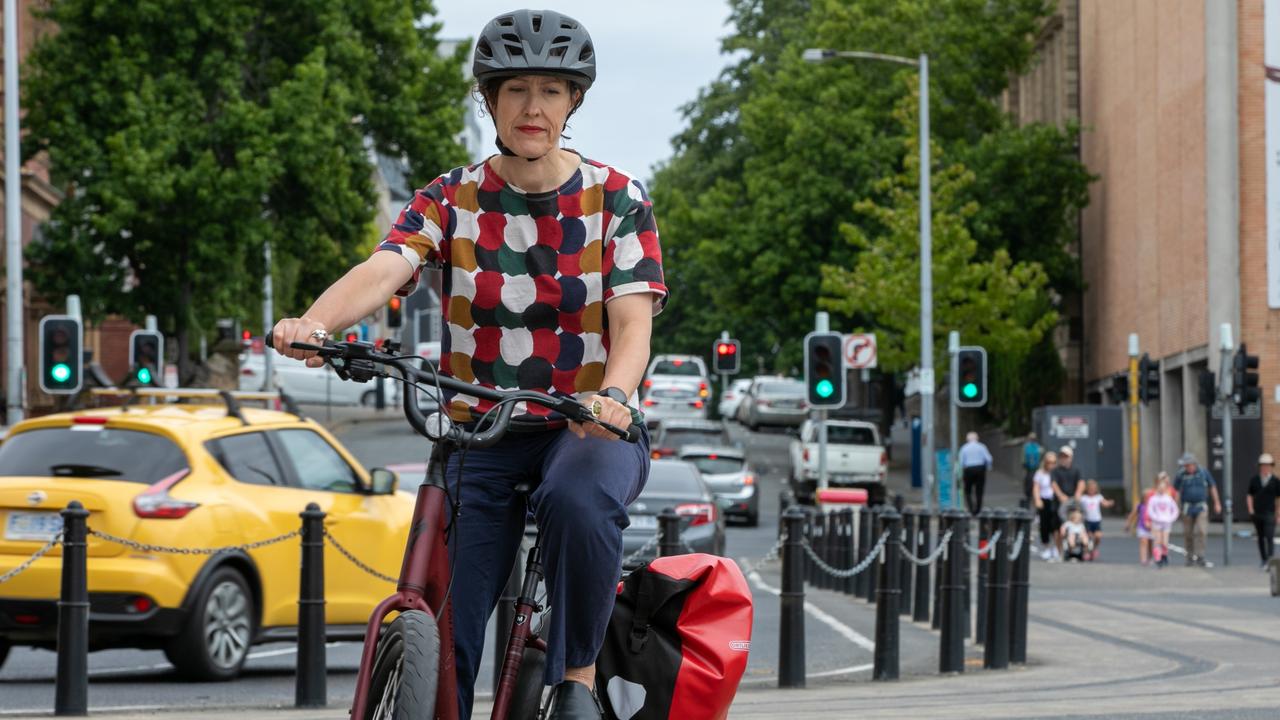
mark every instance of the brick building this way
{"type": "Point", "coordinates": [1174, 241]}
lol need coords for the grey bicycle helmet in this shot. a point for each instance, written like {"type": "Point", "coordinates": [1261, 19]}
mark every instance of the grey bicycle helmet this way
{"type": "Point", "coordinates": [526, 42]}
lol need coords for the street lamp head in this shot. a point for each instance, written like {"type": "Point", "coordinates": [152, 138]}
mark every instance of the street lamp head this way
{"type": "Point", "coordinates": [816, 55]}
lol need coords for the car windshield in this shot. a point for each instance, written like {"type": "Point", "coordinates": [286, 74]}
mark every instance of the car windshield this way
{"type": "Point", "coordinates": [672, 480]}
{"type": "Point", "coordinates": [677, 367]}
{"type": "Point", "coordinates": [679, 437]}
{"type": "Point", "coordinates": [91, 451]}
{"type": "Point", "coordinates": [847, 435]}
{"type": "Point", "coordinates": [712, 464]}
{"type": "Point", "coordinates": [782, 388]}
{"type": "Point", "coordinates": [673, 392]}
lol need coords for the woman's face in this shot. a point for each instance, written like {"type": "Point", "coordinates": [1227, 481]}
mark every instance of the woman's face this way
{"type": "Point", "coordinates": [530, 111]}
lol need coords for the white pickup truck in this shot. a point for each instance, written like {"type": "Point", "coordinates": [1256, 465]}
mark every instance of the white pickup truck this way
{"type": "Point", "coordinates": [855, 459]}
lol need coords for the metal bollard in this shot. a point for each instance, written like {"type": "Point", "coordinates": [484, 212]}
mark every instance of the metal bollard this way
{"type": "Point", "coordinates": [791, 629]}
{"type": "Point", "coordinates": [904, 567]}
{"type": "Point", "coordinates": [823, 548]}
{"type": "Point", "coordinates": [924, 546]}
{"type": "Point", "coordinates": [846, 547]}
{"type": "Point", "coordinates": [996, 643]}
{"type": "Point", "coordinates": [967, 627]}
{"type": "Point", "coordinates": [951, 653]}
{"type": "Point", "coordinates": [1019, 587]}
{"type": "Point", "coordinates": [71, 683]}
{"type": "Point", "coordinates": [309, 688]}
{"type": "Point", "coordinates": [864, 541]}
{"type": "Point", "coordinates": [668, 533]}
{"type": "Point", "coordinates": [877, 528]}
{"type": "Point", "coordinates": [985, 518]}
{"type": "Point", "coordinates": [888, 597]}
{"type": "Point", "coordinates": [810, 517]}
{"type": "Point", "coordinates": [506, 613]}
{"type": "Point", "coordinates": [939, 574]}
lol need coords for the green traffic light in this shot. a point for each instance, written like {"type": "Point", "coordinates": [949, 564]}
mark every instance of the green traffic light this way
{"type": "Point", "coordinates": [61, 372]}
{"type": "Point", "coordinates": [970, 390]}
{"type": "Point", "coordinates": [824, 389]}
{"type": "Point", "coordinates": [144, 376]}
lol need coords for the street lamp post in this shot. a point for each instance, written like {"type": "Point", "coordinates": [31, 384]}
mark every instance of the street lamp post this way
{"type": "Point", "coordinates": [816, 55]}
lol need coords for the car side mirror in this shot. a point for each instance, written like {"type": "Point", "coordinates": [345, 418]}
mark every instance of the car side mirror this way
{"type": "Point", "coordinates": [383, 482]}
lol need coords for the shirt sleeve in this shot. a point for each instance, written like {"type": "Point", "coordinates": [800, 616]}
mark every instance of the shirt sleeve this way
{"type": "Point", "coordinates": [419, 233]}
{"type": "Point", "coordinates": [632, 260]}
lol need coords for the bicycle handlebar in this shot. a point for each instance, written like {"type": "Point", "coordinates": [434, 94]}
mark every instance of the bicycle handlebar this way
{"type": "Point", "coordinates": [358, 360]}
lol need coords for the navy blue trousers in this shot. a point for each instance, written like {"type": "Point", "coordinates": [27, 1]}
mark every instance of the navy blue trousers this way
{"type": "Point", "coordinates": [581, 492]}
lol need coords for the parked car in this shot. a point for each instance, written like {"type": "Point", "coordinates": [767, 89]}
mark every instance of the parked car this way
{"type": "Point", "coordinates": [855, 459]}
{"type": "Point", "coordinates": [678, 368]}
{"type": "Point", "coordinates": [191, 475]}
{"type": "Point", "coordinates": [677, 485]}
{"type": "Point", "coordinates": [672, 399]}
{"type": "Point", "coordinates": [726, 472]}
{"type": "Point", "coordinates": [774, 401]}
{"type": "Point", "coordinates": [730, 397]}
{"type": "Point", "coordinates": [312, 385]}
{"type": "Point", "coordinates": [673, 434]}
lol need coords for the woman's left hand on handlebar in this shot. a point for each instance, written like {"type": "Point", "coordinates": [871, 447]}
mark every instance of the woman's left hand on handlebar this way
{"type": "Point", "coordinates": [292, 330]}
{"type": "Point", "coordinates": [611, 412]}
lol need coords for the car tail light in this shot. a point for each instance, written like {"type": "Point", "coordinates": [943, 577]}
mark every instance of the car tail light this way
{"type": "Point", "coordinates": [677, 363]}
{"type": "Point", "coordinates": [156, 503]}
{"type": "Point", "coordinates": [139, 604]}
{"type": "Point", "coordinates": [702, 390]}
{"type": "Point", "coordinates": [806, 454]}
{"type": "Point", "coordinates": [697, 404]}
{"type": "Point", "coordinates": [648, 384]}
{"type": "Point", "coordinates": [748, 479]}
{"type": "Point", "coordinates": [698, 513]}
{"type": "Point", "coordinates": [89, 421]}
{"type": "Point", "coordinates": [884, 458]}
{"type": "Point", "coordinates": [663, 452]}
{"type": "Point", "coordinates": [648, 402]}
{"type": "Point", "coordinates": [247, 371]}
{"type": "Point", "coordinates": [26, 619]}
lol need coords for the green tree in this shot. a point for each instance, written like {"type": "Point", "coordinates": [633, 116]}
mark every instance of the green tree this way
{"type": "Point", "coordinates": [190, 135]}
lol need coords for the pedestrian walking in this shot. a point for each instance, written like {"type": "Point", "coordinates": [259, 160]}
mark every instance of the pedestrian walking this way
{"type": "Point", "coordinates": [975, 458]}
{"type": "Point", "coordinates": [1031, 452]}
{"type": "Point", "coordinates": [1264, 488]}
{"type": "Point", "coordinates": [1139, 524]}
{"type": "Point", "coordinates": [1046, 503]}
{"type": "Point", "coordinates": [1066, 484]}
{"type": "Point", "coordinates": [1092, 503]}
{"type": "Point", "coordinates": [1162, 512]}
{"type": "Point", "coordinates": [1195, 487]}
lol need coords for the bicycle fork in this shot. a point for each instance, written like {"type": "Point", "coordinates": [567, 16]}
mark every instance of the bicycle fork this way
{"type": "Point", "coordinates": [522, 635]}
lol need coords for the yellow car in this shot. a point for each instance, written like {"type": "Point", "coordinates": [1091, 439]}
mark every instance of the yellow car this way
{"type": "Point", "coordinates": [191, 475]}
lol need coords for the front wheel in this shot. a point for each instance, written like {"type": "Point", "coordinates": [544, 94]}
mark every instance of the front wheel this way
{"type": "Point", "coordinates": [403, 682]}
{"type": "Point", "coordinates": [527, 698]}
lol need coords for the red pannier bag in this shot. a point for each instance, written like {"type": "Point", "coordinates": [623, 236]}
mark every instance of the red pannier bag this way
{"type": "Point", "coordinates": [677, 642]}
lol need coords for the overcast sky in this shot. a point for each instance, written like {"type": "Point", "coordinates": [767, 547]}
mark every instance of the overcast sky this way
{"type": "Point", "coordinates": [652, 57]}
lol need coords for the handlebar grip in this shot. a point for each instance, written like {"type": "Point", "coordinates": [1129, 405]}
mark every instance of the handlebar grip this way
{"type": "Point", "coordinates": [633, 433]}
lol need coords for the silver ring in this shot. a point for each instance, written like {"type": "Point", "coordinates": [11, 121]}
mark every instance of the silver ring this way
{"type": "Point", "coordinates": [319, 335]}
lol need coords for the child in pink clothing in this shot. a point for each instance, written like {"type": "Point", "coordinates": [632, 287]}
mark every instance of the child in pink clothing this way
{"type": "Point", "coordinates": [1162, 511]}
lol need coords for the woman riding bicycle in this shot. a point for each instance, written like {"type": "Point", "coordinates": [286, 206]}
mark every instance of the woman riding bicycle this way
{"type": "Point", "coordinates": [552, 274]}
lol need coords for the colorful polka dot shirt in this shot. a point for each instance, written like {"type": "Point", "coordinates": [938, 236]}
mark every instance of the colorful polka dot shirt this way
{"type": "Point", "coordinates": [527, 277]}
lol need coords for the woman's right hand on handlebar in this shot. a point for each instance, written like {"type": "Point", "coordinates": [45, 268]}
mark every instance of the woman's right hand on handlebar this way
{"type": "Point", "coordinates": [292, 330]}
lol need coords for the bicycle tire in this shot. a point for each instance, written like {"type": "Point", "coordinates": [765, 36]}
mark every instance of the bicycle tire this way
{"type": "Point", "coordinates": [526, 701]}
{"type": "Point", "coordinates": [405, 669]}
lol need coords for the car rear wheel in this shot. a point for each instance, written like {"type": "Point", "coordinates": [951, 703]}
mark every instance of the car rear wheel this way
{"type": "Point", "coordinates": [215, 642]}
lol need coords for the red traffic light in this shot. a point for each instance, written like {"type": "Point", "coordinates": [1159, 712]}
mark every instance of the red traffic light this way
{"type": "Point", "coordinates": [394, 303]}
{"type": "Point", "coordinates": [726, 348]}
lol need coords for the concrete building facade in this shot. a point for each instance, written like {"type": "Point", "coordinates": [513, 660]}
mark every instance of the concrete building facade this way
{"type": "Point", "coordinates": [1174, 240]}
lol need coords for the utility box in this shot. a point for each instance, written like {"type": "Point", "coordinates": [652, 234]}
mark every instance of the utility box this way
{"type": "Point", "coordinates": [1095, 434]}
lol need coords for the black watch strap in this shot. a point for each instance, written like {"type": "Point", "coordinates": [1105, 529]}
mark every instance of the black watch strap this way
{"type": "Point", "coordinates": [615, 394]}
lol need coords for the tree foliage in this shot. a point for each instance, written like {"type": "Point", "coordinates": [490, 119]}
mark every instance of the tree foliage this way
{"type": "Point", "coordinates": [190, 135]}
{"type": "Point", "coordinates": [770, 180]}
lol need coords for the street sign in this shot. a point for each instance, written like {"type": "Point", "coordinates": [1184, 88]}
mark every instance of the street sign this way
{"type": "Point", "coordinates": [860, 350]}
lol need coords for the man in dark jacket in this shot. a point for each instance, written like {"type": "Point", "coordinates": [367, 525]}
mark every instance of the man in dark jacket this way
{"type": "Point", "coordinates": [1195, 487]}
{"type": "Point", "coordinates": [1264, 488]}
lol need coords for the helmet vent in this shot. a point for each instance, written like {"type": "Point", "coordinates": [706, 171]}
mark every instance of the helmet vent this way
{"type": "Point", "coordinates": [505, 21]}
{"type": "Point", "coordinates": [556, 52]}
{"type": "Point", "coordinates": [537, 23]}
{"type": "Point", "coordinates": [587, 53]}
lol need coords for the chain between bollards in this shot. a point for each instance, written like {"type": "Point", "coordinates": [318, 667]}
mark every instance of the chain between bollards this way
{"type": "Point", "coordinates": [71, 681]}
{"type": "Point", "coordinates": [310, 690]}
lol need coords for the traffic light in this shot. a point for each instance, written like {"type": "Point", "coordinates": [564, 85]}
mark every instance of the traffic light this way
{"type": "Point", "coordinates": [1208, 388]}
{"type": "Point", "coordinates": [1244, 383]}
{"type": "Point", "coordinates": [61, 354]}
{"type": "Point", "coordinates": [824, 369]}
{"type": "Point", "coordinates": [969, 381]}
{"type": "Point", "coordinates": [724, 356]}
{"type": "Point", "coordinates": [1119, 390]}
{"type": "Point", "coordinates": [394, 315]}
{"type": "Point", "coordinates": [146, 357]}
{"type": "Point", "coordinates": [1148, 379]}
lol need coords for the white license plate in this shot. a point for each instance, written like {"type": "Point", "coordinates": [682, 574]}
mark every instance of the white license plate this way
{"type": "Point", "coordinates": [644, 522]}
{"type": "Point", "coordinates": [32, 526]}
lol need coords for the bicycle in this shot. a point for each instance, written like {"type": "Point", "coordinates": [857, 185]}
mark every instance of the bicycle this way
{"type": "Point", "coordinates": [408, 666]}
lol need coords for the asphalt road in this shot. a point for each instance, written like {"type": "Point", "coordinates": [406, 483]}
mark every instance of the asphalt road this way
{"type": "Point", "coordinates": [1109, 603]}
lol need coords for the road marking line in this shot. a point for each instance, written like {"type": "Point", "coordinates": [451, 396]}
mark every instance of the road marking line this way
{"type": "Point", "coordinates": [818, 613]}
{"type": "Point", "coordinates": [162, 666]}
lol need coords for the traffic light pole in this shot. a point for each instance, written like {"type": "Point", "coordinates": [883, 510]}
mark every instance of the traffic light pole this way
{"type": "Point", "coordinates": [822, 323]}
{"type": "Point", "coordinates": [14, 306]}
{"type": "Point", "coordinates": [1225, 348]}
{"type": "Point", "coordinates": [268, 315]}
{"type": "Point", "coordinates": [953, 348]}
{"type": "Point", "coordinates": [1135, 433]}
